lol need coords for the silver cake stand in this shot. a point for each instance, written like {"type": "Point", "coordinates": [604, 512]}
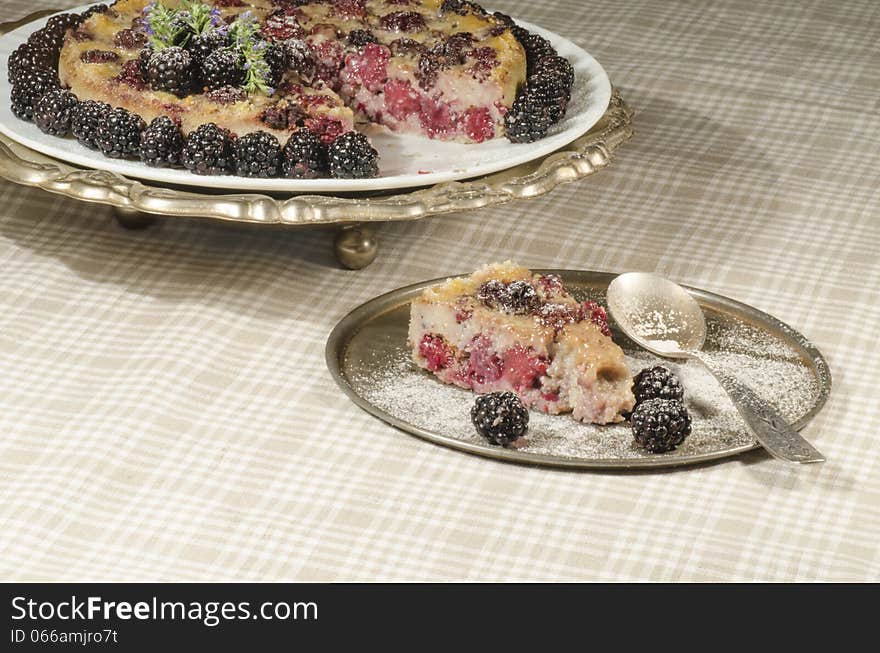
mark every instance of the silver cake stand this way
{"type": "Point", "coordinates": [354, 216]}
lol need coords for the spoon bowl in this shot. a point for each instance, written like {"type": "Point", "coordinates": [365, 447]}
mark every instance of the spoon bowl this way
{"type": "Point", "coordinates": [657, 314]}
{"type": "Point", "coordinates": [665, 319]}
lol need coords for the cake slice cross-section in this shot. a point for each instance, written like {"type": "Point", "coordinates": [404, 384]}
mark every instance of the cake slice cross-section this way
{"type": "Point", "coordinates": [506, 329]}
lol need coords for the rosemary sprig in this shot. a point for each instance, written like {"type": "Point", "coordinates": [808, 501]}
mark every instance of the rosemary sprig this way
{"type": "Point", "coordinates": [168, 26]}
{"type": "Point", "coordinates": [162, 30]}
{"type": "Point", "coordinates": [245, 39]}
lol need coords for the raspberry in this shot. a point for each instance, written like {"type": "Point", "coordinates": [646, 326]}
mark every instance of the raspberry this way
{"type": "Point", "coordinates": [436, 352]}
{"type": "Point", "coordinates": [500, 417]}
{"type": "Point", "coordinates": [226, 95]}
{"type": "Point", "coordinates": [478, 124]}
{"type": "Point", "coordinates": [130, 74]}
{"type": "Point", "coordinates": [401, 99]}
{"type": "Point", "coordinates": [327, 129]}
{"type": "Point", "coordinates": [595, 313]}
{"type": "Point", "coordinates": [370, 66]}
{"type": "Point", "coordinates": [282, 26]}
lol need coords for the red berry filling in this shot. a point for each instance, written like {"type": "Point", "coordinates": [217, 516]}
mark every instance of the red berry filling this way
{"type": "Point", "coordinates": [401, 99]}
{"type": "Point", "coordinates": [483, 365]}
{"type": "Point", "coordinates": [523, 368]}
{"type": "Point", "coordinates": [369, 66]}
{"type": "Point", "coordinates": [436, 352]}
{"type": "Point", "coordinates": [478, 124]}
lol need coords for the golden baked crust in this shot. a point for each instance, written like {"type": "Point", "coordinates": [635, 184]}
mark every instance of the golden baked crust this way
{"type": "Point", "coordinates": [461, 95]}
{"type": "Point", "coordinates": [100, 81]}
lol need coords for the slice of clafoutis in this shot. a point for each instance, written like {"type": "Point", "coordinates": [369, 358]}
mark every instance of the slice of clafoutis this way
{"type": "Point", "coordinates": [506, 329]}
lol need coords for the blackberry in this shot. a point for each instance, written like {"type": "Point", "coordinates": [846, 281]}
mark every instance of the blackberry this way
{"type": "Point", "coordinates": [351, 156]}
{"type": "Point", "coordinates": [549, 91]}
{"type": "Point", "coordinates": [359, 37]}
{"type": "Point", "coordinates": [202, 45]}
{"type": "Point", "coordinates": [657, 383]}
{"type": "Point", "coordinates": [31, 86]}
{"type": "Point", "coordinates": [208, 151]}
{"type": "Point", "coordinates": [402, 21]}
{"type": "Point", "coordinates": [24, 59]}
{"type": "Point", "coordinates": [170, 70]}
{"type": "Point", "coordinates": [129, 39]}
{"type": "Point", "coordinates": [257, 154]}
{"type": "Point", "coordinates": [528, 119]}
{"type": "Point", "coordinates": [52, 112]}
{"type": "Point", "coordinates": [461, 7]}
{"type": "Point", "coordinates": [535, 46]}
{"type": "Point", "coordinates": [84, 121]}
{"type": "Point", "coordinates": [119, 134]}
{"type": "Point", "coordinates": [95, 9]}
{"type": "Point", "coordinates": [48, 40]}
{"type": "Point", "coordinates": [161, 143]}
{"type": "Point", "coordinates": [222, 68]}
{"type": "Point", "coordinates": [299, 57]}
{"type": "Point", "coordinates": [504, 19]}
{"type": "Point", "coordinates": [660, 425]}
{"type": "Point", "coordinates": [99, 56]}
{"type": "Point", "coordinates": [517, 297]}
{"type": "Point", "coordinates": [305, 156]}
{"type": "Point", "coordinates": [557, 66]}
{"type": "Point", "coordinates": [275, 58]}
{"type": "Point", "coordinates": [521, 298]}
{"type": "Point", "coordinates": [500, 417]}
{"type": "Point", "coordinates": [64, 22]}
{"type": "Point", "coordinates": [143, 60]}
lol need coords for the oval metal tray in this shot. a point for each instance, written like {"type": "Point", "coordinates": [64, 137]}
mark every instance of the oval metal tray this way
{"type": "Point", "coordinates": [368, 347]}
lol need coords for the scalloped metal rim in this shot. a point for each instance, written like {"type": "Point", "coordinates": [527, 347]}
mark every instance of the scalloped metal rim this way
{"type": "Point", "coordinates": [581, 158]}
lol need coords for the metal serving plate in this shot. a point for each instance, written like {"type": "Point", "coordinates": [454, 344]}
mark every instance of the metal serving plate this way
{"type": "Point", "coordinates": [368, 348]}
{"type": "Point", "coordinates": [356, 213]}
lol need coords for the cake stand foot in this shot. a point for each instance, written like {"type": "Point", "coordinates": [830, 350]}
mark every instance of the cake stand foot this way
{"type": "Point", "coordinates": [355, 246]}
{"type": "Point", "coordinates": [131, 219]}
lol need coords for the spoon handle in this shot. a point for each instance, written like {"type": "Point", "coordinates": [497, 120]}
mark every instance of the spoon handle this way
{"type": "Point", "coordinates": [773, 432]}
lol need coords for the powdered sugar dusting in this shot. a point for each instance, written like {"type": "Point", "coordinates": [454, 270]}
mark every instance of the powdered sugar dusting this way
{"type": "Point", "coordinates": [760, 360]}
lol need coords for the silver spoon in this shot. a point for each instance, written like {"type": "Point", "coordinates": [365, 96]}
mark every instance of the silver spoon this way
{"type": "Point", "coordinates": [665, 319]}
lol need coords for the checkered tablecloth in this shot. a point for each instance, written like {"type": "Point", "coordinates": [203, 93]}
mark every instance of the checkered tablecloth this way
{"type": "Point", "coordinates": [166, 413]}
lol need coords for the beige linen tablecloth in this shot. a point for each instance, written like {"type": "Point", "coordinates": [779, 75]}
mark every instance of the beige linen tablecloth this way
{"type": "Point", "coordinates": [166, 413]}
